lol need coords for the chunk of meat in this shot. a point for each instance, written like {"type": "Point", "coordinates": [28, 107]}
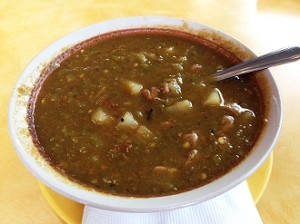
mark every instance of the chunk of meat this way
{"type": "Point", "coordinates": [196, 68]}
{"type": "Point", "coordinates": [151, 94]}
{"type": "Point", "coordinates": [168, 124]}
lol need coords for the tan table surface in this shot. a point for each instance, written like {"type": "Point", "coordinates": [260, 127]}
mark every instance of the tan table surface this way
{"type": "Point", "coordinates": [27, 27]}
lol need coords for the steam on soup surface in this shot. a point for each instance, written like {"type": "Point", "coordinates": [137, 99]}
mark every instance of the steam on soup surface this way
{"type": "Point", "coordinates": [133, 113]}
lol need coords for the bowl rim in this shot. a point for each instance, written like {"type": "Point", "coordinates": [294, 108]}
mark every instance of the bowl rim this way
{"type": "Point", "coordinates": [43, 172]}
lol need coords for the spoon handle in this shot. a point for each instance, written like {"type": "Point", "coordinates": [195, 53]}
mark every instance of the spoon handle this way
{"type": "Point", "coordinates": [281, 56]}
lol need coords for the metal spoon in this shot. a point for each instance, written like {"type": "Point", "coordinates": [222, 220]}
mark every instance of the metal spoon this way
{"type": "Point", "coordinates": [281, 56]}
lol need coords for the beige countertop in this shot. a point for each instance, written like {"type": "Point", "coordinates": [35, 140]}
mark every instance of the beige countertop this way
{"type": "Point", "coordinates": [27, 27]}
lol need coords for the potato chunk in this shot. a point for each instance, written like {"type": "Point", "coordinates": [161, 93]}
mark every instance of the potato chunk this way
{"type": "Point", "coordinates": [127, 121]}
{"type": "Point", "coordinates": [174, 87]}
{"type": "Point", "coordinates": [180, 106]}
{"type": "Point", "coordinates": [143, 133]}
{"type": "Point", "coordinates": [215, 98]}
{"type": "Point", "coordinates": [101, 117]}
{"type": "Point", "coordinates": [132, 87]}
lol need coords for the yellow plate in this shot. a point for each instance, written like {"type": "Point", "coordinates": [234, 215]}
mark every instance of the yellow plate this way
{"type": "Point", "coordinates": [71, 212]}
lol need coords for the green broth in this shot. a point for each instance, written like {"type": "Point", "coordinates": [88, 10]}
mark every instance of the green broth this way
{"type": "Point", "coordinates": [134, 113]}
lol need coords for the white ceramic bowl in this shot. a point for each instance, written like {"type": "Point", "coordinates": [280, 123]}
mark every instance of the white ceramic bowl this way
{"type": "Point", "coordinates": [39, 167]}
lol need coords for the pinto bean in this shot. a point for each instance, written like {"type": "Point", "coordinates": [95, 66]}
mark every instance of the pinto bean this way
{"type": "Point", "coordinates": [190, 156]}
{"type": "Point", "coordinates": [165, 88]}
{"type": "Point", "coordinates": [226, 123]}
{"type": "Point", "coordinates": [147, 94]}
{"type": "Point", "coordinates": [192, 138]}
{"type": "Point", "coordinates": [164, 169]}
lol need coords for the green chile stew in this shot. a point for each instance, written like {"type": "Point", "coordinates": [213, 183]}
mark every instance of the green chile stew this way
{"type": "Point", "coordinates": [133, 113]}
